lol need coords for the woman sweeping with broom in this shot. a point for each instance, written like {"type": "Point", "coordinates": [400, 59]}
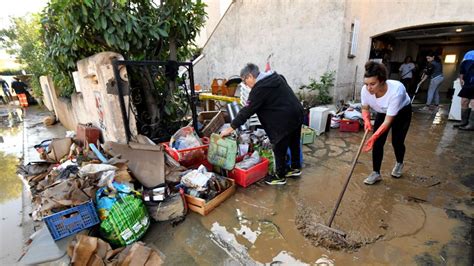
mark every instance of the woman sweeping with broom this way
{"type": "Point", "coordinates": [392, 104]}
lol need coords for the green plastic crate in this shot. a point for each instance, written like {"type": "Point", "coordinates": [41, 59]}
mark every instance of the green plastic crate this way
{"type": "Point", "coordinates": [307, 135]}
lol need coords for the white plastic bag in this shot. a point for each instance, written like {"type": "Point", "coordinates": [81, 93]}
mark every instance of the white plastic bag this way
{"type": "Point", "coordinates": [185, 138]}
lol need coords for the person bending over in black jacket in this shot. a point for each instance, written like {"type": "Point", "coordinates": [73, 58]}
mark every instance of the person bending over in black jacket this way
{"type": "Point", "coordinates": [279, 112]}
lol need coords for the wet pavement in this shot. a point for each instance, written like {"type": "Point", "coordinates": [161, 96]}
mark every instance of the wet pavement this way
{"type": "Point", "coordinates": [423, 218]}
{"type": "Point", "coordinates": [11, 150]}
{"type": "Point", "coordinates": [19, 132]}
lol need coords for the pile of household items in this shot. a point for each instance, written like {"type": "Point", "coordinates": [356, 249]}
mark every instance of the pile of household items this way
{"type": "Point", "coordinates": [115, 190]}
{"type": "Point", "coordinates": [112, 191]}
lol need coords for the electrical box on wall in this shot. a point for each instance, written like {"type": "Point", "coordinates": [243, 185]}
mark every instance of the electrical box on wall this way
{"type": "Point", "coordinates": [354, 38]}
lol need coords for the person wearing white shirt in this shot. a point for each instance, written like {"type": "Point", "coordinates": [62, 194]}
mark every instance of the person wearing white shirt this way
{"type": "Point", "coordinates": [391, 102]}
{"type": "Point", "coordinates": [406, 73]}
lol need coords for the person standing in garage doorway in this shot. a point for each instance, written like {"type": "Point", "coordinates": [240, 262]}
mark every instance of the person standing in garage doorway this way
{"type": "Point", "coordinates": [435, 71]}
{"type": "Point", "coordinates": [466, 76]}
{"type": "Point", "coordinates": [406, 74]}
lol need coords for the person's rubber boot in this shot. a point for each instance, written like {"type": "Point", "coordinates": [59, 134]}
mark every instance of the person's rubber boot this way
{"type": "Point", "coordinates": [464, 118]}
{"type": "Point", "coordinates": [470, 125]}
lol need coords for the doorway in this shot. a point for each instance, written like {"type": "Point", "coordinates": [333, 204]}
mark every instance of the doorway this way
{"type": "Point", "coordinates": [450, 41]}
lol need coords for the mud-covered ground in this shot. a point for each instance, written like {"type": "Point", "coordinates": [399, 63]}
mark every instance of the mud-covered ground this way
{"type": "Point", "coordinates": [423, 218]}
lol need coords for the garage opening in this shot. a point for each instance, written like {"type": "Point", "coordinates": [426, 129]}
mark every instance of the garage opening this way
{"type": "Point", "coordinates": [450, 41]}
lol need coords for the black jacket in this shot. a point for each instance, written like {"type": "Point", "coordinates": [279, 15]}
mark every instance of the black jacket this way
{"type": "Point", "coordinates": [276, 105]}
{"type": "Point", "coordinates": [19, 87]}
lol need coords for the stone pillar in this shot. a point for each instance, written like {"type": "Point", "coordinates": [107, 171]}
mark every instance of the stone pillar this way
{"type": "Point", "coordinates": [100, 96]}
{"type": "Point", "coordinates": [97, 101]}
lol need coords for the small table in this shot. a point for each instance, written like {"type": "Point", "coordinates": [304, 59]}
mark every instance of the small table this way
{"type": "Point", "coordinates": [205, 96]}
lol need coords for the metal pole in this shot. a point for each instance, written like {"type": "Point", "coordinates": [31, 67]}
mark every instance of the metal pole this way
{"type": "Point", "coordinates": [193, 97]}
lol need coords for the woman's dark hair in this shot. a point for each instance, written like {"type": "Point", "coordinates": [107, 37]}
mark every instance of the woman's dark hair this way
{"type": "Point", "coordinates": [436, 57]}
{"type": "Point", "coordinates": [406, 59]}
{"type": "Point", "coordinates": [374, 69]}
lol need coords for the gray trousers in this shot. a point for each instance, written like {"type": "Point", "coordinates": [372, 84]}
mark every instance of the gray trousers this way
{"type": "Point", "coordinates": [433, 90]}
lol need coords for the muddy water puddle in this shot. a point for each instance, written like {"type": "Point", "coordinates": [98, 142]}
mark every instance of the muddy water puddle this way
{"type": "Point", "coordinates": [11, 149]}
{"type": "Point", "coordinates": [423, 218]}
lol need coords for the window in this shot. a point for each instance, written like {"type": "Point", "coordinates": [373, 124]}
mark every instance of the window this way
{"type": "Point", "coordinates": [353, 40]}
{"type": "Point", "coordinates": [450, 59]}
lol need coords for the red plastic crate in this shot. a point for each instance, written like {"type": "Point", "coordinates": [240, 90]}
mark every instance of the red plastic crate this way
{"type": "Point", "coordinates": [349, 125]}
{"type": "Point", "coordinates": [249, 176]}
{"type": "Point", "coordinates": [189, 157]}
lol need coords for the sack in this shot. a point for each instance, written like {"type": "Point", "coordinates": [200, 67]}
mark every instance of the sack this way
{"type": "Point", "coordinates": [222, 152]}
{"type": "Point", "coordinates": [123, 214]}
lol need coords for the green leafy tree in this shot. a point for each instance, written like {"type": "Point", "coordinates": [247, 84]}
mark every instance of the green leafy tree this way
{"type": "Point", "coordinates": [23, 39]}
{"type": "Point", "coordinates": [137, 29]}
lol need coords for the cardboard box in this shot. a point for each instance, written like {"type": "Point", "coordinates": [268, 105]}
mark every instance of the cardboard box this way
{"type": "Point", "coordinates": [202, 207]}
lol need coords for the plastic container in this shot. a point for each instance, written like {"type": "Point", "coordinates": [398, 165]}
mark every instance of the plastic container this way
{"type": "Point", "coordinates": [246, 177]}
{"type": "Point", "coordinates": [72, 220]}
{"type": "Point", "coordinates": [87, 133]}
{"type": "Point", "coordinates": [318, 118]}
{"type": "Point", "coordinates": [307, 135]}
{"type": "Point", "coordinates": [349, 125]}
{"type": "Point", "coordinates": [189, 157]}
{"type": "Point", "coordinates": [218, 86]}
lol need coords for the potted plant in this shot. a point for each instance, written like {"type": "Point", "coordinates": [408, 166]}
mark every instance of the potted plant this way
{"type": "Point", "coordinates": [316, 92]}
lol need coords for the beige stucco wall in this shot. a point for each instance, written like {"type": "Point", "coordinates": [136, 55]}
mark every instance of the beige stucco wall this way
{"type": "Point", "coordinates": [309, 37]}
{"type": "Point", "coordinates": [377, 17]}
{"type": "Point", "coordinates": [301, 35]}
{"type": "Point", "coordinates": [93, 104]}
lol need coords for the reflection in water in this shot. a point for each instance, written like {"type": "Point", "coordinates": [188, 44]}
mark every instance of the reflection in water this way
{"type": "Point", "coordinates": [285, 258]}
{"type": "Point", "coordinates": [245, 231]}
{"type": "Point", "coordinates": [10, 149]}
{"type": "Point", "coordinates": [10, 184]}
{"type": "Point", "coordinates": [11, 117]}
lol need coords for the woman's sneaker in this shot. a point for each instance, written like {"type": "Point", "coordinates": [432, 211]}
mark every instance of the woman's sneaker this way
{"type": "Point", "coordinates": [293, 173]}
{"type": "Point", "coordinates": [397, 170]}
{"type": "Point", "coordinates": [373, 178]}
{"type": "Point", "coordinates": [274, 180]}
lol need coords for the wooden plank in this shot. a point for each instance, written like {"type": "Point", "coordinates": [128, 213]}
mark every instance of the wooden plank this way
{"type": "Point", "coordinates": [195, 201]}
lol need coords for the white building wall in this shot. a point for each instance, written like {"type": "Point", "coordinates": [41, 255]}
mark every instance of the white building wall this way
{"type": "Point", "coordinates": [309, 37]}
{"type": "Point", "coordinates": [302, 35]}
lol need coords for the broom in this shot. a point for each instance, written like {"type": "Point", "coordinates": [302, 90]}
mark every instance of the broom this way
{"type": "Point", "coordinates": [333, 237]}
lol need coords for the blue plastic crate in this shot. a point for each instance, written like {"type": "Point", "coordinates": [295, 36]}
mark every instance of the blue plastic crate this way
{"type": "Point", "coordinates": [72, 220]}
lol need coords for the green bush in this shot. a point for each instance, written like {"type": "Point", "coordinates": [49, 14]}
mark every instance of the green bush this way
{"type": "Point", "coordinates": [317, 92]}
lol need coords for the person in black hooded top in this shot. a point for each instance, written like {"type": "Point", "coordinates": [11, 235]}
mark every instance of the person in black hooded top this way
{"type": "Point", "coordinates": [279, 112]}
